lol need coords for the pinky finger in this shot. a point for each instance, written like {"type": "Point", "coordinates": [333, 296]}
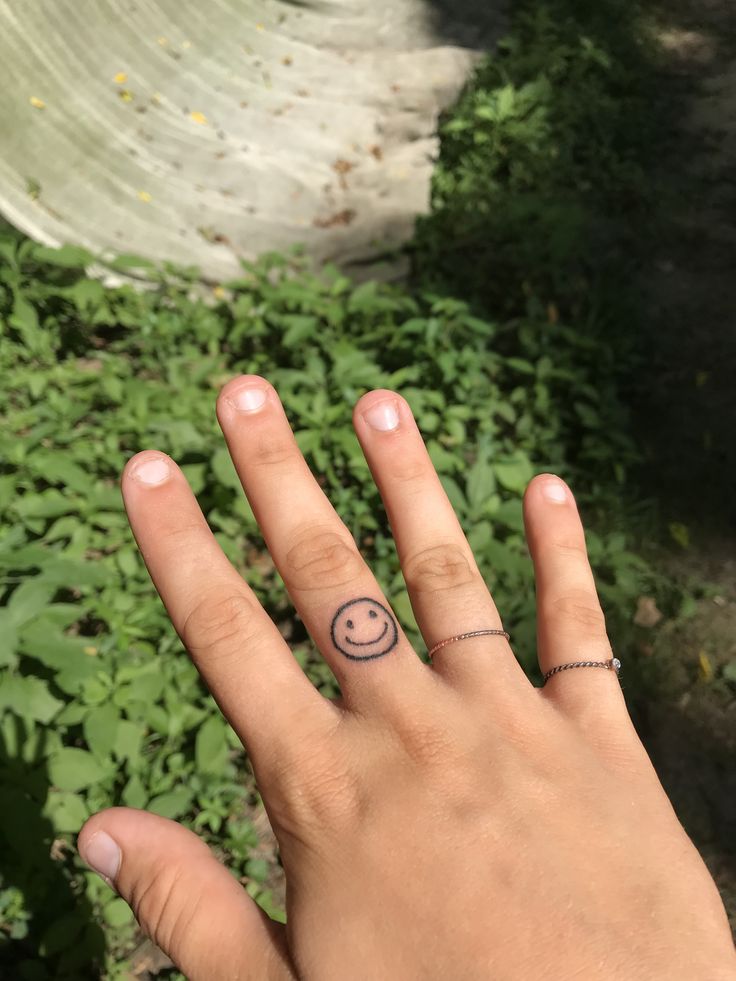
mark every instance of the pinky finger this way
{"type": "Point", "coordinates": [570, 622]}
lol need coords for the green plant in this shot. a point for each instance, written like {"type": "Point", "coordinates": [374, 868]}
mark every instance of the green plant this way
{"type": "Point", "coordinates": [541, 191]}
{"type": "Point", "coordinates": [538, 199]}
{"type": "Point", "coordinates": [100, 704]}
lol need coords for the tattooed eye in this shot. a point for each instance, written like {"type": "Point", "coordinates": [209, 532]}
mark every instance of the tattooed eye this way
{"type": "Point", "coordinates": [372, 614]}
{"type": "Point", "coordinates": [350, 624]}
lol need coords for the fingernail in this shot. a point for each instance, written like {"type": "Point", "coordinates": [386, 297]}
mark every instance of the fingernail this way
{"type": "Point", "coordinates": [102, 854]}
{"type": "Point", "coordinates": [152, 471]}
{"type": "Point", "coordinates": [248, 399]}
{"type": "Point", "coordinates": [555, 491]}
{"type": "Point", "coordinates": [383, 416]}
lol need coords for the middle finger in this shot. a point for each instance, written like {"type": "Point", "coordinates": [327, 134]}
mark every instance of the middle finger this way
{"type": "Point", "coordinates": [447, 592]}
{"type": "Point", "coordinates": [334, 591]}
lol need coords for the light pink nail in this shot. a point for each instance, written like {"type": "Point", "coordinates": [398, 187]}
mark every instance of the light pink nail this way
{"type": "Point", "coordinates": [249, 399]}
{"type": "Point", "coordinates": [152, 471]}
{"type": "Point", "coordinates": [555, 491]}
{"type": "Point", "coordinates": [383, 416]}
{"type": "Point", "coordinates": [102, 854]}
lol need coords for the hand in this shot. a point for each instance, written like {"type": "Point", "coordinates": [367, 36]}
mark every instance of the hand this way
{"type": "Point", "coordinates": [450, 821]}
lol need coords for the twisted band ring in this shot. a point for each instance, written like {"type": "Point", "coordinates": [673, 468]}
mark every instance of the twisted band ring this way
{"type": "Point", "coordinates": [613, 664]}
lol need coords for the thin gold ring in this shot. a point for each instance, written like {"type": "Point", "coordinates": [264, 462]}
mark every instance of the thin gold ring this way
{"type": "Point", "coordinates": [471, 633]}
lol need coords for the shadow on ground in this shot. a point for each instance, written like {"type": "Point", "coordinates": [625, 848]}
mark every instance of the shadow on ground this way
{"type": "Point", "coordinates": [686, 401]}
{"type": "Point", "coordinates": [469, 23]}
{"type": "Point", "coordinates": [684, 412]}
{"type": "Point", "coordinates": [59, 940]}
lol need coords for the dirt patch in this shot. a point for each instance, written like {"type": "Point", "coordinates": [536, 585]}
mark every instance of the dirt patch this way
{"type": "Point", "coordinates": [686, 416]}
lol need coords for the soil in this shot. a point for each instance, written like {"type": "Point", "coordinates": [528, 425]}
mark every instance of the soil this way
{"type": "Point", "coordinates": [685, 416]}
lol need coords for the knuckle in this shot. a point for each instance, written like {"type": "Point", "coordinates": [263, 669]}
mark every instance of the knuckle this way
{"type": "Point", "coordinates": [580, 608]}
{"type": "Point", "coordinates": [564, 550]}
{"type": "Point", "coordinates": [321, 558]}
{"type": "Point", "coordinates": [321, 790]}
{"type": "Point", "coordinates": [438, 567]}
{"type": "Point", "coordinates": [219, 625]}
{"type": "Point", "coordinates": [335, 797]}
{"type": "Point", "coordinates": [407, 468]}
{"type": "Point", "coordinates": [269, 451]}
{"type": "Point", "coordinates": [182, 533]}
{"type": "Point", "coordinates": [431, 747]}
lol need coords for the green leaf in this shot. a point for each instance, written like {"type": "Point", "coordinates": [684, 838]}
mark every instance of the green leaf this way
{"type": "Point", "coordinates": [134, 793]}
{"type": "Point", "coordinates": [521, 365]}
{"type": "Point", "coordinates": [46, 504]}
{"type": "Point", "coordinates": [210, 745]}
{"type": "Point", "coordinates": [74, 769]}
{"type": "Point", "coordinates": [299, 328]}
{"type": "Point", "coordinates": [117, 913]}
{"type": "Point", "coordinates": [455, 494]}
{"type": "Point", "coordinates": [47, 643]}
{"type": "Point", "coordinates": [71, 715]}
{"type": "Point", "coordinates": [28, 697]}
{"type": "Point", "coordinates": [257, 868]}
{"type": "Point", "coordinates": [64, 571]}
{"type": "Point", "coordinates": [680, 534]}
{"type": "Point", "coordinates": [8, 639]}
{"type": "Point", "coordinates": [505, 101]}
{"type": "Point", "coordinates": [514, 473]}
{"type": "Point", "coordinates": [59, 469]}
{"type": "Point", "coordinates": [29, 599]}
{"type": "Point", "coordinates": [88, 295]}
{"type": "Point", "coordinates": [67, 812]}
{"type": "Point", "coordinates": [147, 686]}
{"type": "Point", "coordinates": [172, 804]}
{"type": "Point", "coordinates": [126, 262]}
{"type": "Point", "coordinates": [223, 469]}
{"type": "Point", "coordinates": [128, 738]}
{"type": "Point", "coordinates": [101, 729]}
{"type": "Point", "coordinates": [68, 256]}
{"type": "Point", "coordinates": [25, 319]}
{"type": "Point", "coordinates": [480, 482]}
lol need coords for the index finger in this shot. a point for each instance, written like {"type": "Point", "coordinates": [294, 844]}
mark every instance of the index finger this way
{"type": "Point", "coordinates": [235, 646]}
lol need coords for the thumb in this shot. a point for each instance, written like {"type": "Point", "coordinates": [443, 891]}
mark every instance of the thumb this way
{"type": "Point", "coordinates": [186, 902]}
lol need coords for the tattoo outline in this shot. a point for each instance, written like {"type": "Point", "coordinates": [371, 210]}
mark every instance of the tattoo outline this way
{"type": "Point", "coordinates": [361, 618]}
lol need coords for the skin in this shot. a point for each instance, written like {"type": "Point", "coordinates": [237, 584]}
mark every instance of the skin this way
{"type": "Point", "coordinates": [443, 821]}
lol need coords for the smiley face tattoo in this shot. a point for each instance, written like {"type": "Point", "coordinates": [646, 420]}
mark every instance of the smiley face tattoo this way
{"type": "Point", "coordinates": [363, 629]}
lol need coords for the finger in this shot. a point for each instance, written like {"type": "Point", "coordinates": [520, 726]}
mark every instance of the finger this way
{"type": "Point", "coordinates": [333, 589]}
{"type": "Point", "coordinates": [183, 899]}
{"type": "Point", "coordinates": [237, 649]}
{"type": "Point", "coordinates": [447, 591]}
{"type": "Point", "coordinates": [570, 623]}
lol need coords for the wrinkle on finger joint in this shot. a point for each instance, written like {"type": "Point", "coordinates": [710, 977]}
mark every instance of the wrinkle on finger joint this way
{"type": "Point", "coordinates": [438, 567]}
{"type": "Point", "coordinates": [220, 625]}
{"type": "Point", "coordinates": [579, 608]}
{"type": "Point", "coordinates": [321, 559]}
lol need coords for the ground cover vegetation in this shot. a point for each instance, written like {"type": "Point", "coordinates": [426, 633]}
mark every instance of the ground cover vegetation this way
{"type": "Point", "coordinates": [509, 344]}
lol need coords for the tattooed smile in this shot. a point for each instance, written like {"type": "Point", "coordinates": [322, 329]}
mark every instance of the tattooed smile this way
{"type": "Point", "coordinates": [354, 625]}
{"type": "Point", "coordinates": [366, 643]}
